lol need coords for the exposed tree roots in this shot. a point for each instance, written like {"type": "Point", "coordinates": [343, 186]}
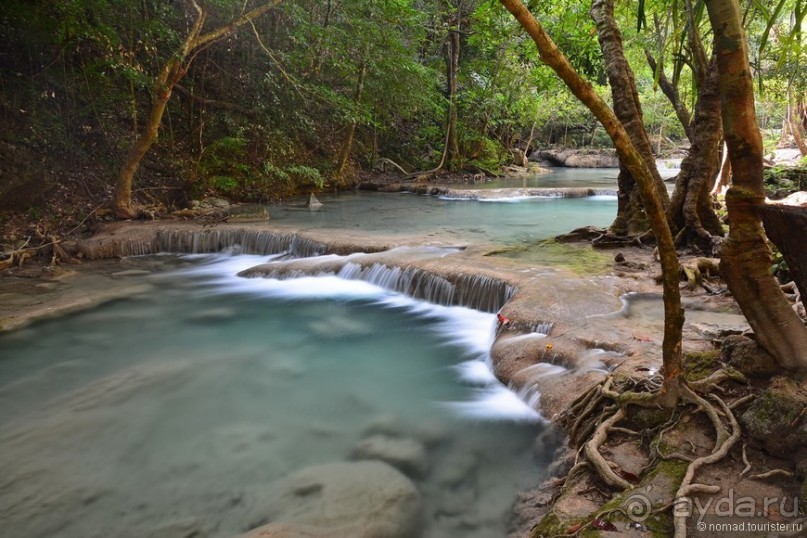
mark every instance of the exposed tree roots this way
{"type": "Point", "coordinates": [598, 412]}
{"type": "Point", "coordinates": [49, 246]}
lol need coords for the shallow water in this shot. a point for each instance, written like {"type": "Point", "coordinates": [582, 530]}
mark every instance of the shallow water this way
{"type": "Point", "coordinates": [176, 409]}
{"type": "Point", "coordinates": [501, 222]}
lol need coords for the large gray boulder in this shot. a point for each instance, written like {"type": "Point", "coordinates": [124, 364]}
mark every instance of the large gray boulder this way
{"type": "Point", "coordinates": [576, 158]}
{"type": "Point", "coordinates": [367, 499]}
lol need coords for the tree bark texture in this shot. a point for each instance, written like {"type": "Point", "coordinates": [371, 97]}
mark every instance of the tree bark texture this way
{"type": "Point", "coordinates": [628, 109]}
{"type": "Point", "coordinates": [452, 71]}
{"type": "Point", "coordinates": [795, 128]}
{"type": "Point", "coordinates": [787, 227]}
{"type": "Point", "coordinates": [671, 92]}
{"type": "Point", "coordinates": [691, 204]}
{"type": "Point", "coordinates": [170, 74]}
{"type": "Point", "coordinates": [635, 162]}
{"type": "Point", "coordinates": [746, 259]}
{"type": "Point", "coordinates": [344, 155]}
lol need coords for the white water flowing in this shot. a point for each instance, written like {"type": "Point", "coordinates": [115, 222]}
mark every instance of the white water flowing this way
{"type": "Point", "coordinates": [472, 330]}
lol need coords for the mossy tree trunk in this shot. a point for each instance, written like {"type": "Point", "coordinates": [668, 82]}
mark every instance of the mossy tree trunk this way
{"type": "Point", "coordinates": [746, 259]}
{"type": "Point", "coordinates": [635, 162]}
{"type": "Point", "coordinates": [630, 218]}
{"type": "Point", "coordinates": [171, 73]}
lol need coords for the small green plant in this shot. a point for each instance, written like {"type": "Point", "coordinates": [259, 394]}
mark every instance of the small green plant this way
{"type": "Point", "coordinates": [303, 175]}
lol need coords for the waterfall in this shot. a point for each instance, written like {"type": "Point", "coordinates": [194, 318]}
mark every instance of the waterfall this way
{"type": "Point", "coordinates": [483, 292]}
{"type": "Point", "coordinates": [249, 241]}
{"type": "Point", "coordinates": [475, 291]}
{"type": "Point", "coordinates": [207, 241]}
{"type": "Point", "coordinates": [479, 292]}
{"type": "Point", "coordinates": [409, 281]}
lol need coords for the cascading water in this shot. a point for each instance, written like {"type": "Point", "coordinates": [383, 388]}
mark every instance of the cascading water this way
{"type": "Point", "coordinates": [479, 292]}
{"type": "Point", "coordinates": [181, 409]}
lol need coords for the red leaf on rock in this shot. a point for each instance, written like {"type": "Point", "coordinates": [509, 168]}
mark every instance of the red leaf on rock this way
{"type": "Point", "coordinates": [602, 525]}
{"type": "Point", "coordinates": [630, 477]}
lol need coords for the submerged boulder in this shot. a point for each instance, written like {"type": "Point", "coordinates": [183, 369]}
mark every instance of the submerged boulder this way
{"type": "Point", "coordinates": [406, 455]}
{"type": "Point", "coordinates": [367, 499]}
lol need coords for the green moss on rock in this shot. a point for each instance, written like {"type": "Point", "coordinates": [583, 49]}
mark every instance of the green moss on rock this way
{"type": "Point", "coordinates": [700, 364]}
{"type": "Point", "coordinates": [775, 417]}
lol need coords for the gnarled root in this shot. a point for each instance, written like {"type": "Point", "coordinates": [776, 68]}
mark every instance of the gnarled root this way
{"type": "Point", "coordinates": [697, 273]}
{"type": "Point", "coordinates": [721, 449]}
{"type": "Point", "coordinates": [589, 414]}
{"type": "Point", "coordinates": [595, 458]}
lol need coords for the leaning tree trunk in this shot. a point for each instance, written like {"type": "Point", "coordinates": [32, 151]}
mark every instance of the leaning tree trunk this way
{"type": "Point", "coordinates": [746, 259]}
{"type": "Point", "coordinates": [690, 209]}
{"type": "Point", "coordinates": [122, 196]}
{"type": "Point", "coordinates": [636, 163]}
{"type": "Point", "coordinates": [171, 73]}
{"type": "Point", "coordinates": [344, 155]}
{"type": "Point", "coordinates": [671, 92]}
{"type": "Point", "coordinates": [627, 107]}
{"type": "Point", "coordinates": [452, 148]}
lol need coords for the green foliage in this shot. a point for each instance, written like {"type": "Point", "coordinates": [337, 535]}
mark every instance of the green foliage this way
{"type": "Point", "coordinates": [265, 111]}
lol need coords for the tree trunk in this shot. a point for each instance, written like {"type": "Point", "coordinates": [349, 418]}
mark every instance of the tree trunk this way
{"type": "Point", "coordinates": [629, 111]}
{"type": "Point", "coordinates": [452, 72]}
{"type": "Point", "coordinates": [724, 179]}
{"type": "Point", "coordinates": [691, 209]}
{"type": "Point", "coordinates": [671, 92]}
{"type": "Point", "coordinates": [637, 165]}
{"type": "Point", "coordinates": [122, 197]}
{"type": "Point", "coordinates": [795, 130]}
{"type": "Point", "coordinates": [171, 73]}
{"type": "Point", "coordinates": [787, 228]}
{"type": "Point", "coordinates": [746, 260]}
{"type": "Point", "coordinates": [351, 129]}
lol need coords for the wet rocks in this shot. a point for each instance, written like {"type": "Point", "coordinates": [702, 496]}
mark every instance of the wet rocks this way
{"type": "Point", "coordinates": [586, 233]}
{"type": "Point", "coordinates": [745, 355]}
{"type": "Point", "coordinates": [313, 202]}
{"type": "Point", "coordinates": [360, 499]}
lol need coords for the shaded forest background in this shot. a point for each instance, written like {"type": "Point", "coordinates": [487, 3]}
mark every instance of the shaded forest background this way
{"type": "Point", "coordinates": [316, 94]}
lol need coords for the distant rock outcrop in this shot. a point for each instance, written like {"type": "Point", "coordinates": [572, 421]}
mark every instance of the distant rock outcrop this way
{"type": "Point", "coordinates": [576, 158]}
